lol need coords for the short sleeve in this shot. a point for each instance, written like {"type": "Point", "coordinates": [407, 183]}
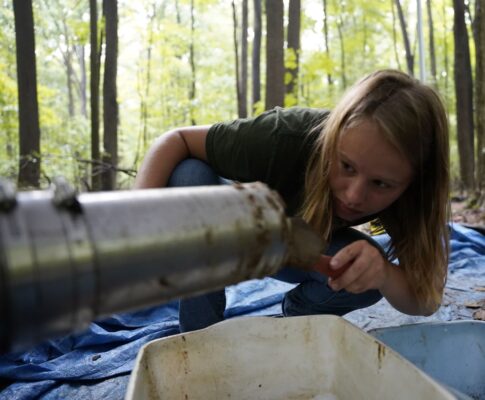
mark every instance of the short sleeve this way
{"type": "Point", "coordinates": [254, 149]}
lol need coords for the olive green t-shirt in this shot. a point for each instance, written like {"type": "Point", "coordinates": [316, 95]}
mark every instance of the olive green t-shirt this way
{"type": "Point", "coordinates": [273, 148]}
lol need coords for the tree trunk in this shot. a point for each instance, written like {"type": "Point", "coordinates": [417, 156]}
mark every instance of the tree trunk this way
{"type": "Point", "coordinates": [394, 35]}
{"type": "Point", "coordinates": [110, 105]}
{"type": "Point", "coordinates": [293, 48]}
{"type": "Point", "coordinates": [480, 95]}
{"type": "Point", "coordinates": [464, 97]}
{"type": "Point", "coordinates": [146, 94]}
{"type": "Point", "coordinates": [256, 61]}
{"type": "Point", "coordinates": [94, 61]}
{"type": "Point", "coordinates": [83, 80]}
{"type": "Point", "coordinates": [144, 88]}
{"type": "Point", "coordinates": [364, 40]}
{"type": "Point", "coordinates": [327, 44]}
{"type": "Point", "coordinates": [244, 61]}
{"type": "Point", "coordinates": [177, 12]}
{"type": "Point", "coordinates": [192, 91]}
{"type": "Point", "coordinates": [236, 59]}
{"type": "Point", "coordinates": [275, 65]}
{"type": "Point", "coordinates": [445, 50]}
{"type": "Point", "coordinates": [69, 69]}
{"type": "Point", "coordinates": [432, 53]}
{"type": "Point", "coordinates": [29, 130]}
{"type": "Point", "coordinates": [343, 73]}
{"type": "Point", "coordinates": [59, 19]}
{"type": "Point", "coordinates": [472, 20]}
{"type": "Point", "coordinates": [407, 46]}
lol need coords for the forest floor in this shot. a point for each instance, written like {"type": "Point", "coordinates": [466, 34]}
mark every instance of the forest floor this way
{"type": "Point", "coordinates": [463, 214]}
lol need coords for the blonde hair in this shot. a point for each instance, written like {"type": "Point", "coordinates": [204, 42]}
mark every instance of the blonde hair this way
{"type": "Point", "coordinates": [412, 118]}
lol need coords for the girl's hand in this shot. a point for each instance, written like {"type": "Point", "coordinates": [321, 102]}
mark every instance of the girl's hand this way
{"type": "Point", "coordinates": [365, 268]}
{"type": "Point", "coordinates": [360, 266]}
{"type": "Point", "coordinates": [323, 266]}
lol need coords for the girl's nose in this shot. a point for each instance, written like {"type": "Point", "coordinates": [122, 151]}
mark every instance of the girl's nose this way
{"type": "Point", "coordinates": [356, 193]}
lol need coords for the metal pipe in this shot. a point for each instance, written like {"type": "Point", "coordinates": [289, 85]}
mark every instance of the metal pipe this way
{"type": "Point", "coordinates": [66, 259]}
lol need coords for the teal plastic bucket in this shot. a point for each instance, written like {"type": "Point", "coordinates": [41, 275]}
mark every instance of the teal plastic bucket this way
{"type": "Point", "coordinates": [451, 352]}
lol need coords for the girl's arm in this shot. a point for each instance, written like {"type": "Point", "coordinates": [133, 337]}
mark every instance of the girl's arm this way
{"type": "Point", "coordinates": [370, 270]}
{"type": "Point", "coordinates": [167, 151]}
{"type": "Point", "coordinates": [398, 293]}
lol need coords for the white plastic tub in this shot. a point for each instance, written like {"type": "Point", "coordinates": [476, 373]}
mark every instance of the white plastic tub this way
{"type": "Point", "coordinates": [314, 357]}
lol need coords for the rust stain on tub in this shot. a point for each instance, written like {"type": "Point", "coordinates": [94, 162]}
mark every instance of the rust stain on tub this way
{"type": "Point", "coordinates": [185, 360]}
{"type": "Point", "coordinates": [308, 333]}
{"type": "Point", "coordinates": [381, 353]}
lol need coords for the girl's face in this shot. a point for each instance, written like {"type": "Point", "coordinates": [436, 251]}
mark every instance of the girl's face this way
{"type": "Point", "coordinates": [368, 173]}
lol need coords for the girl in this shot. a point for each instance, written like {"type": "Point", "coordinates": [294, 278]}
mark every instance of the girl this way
{"type": "Point", "coordinates": [382, 153]}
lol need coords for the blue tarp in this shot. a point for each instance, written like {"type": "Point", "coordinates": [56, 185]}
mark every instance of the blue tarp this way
{"type": "Point", "coordinates": [96, 364]}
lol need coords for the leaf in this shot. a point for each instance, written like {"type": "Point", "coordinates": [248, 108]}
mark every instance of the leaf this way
{"type": "Point", "coordinates": [479, 315]}
{"type": "Point", "coordinates": [475, 304]}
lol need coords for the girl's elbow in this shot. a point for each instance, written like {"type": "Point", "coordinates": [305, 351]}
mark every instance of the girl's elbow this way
{"type": "Point", "coordinates": [429, 309]}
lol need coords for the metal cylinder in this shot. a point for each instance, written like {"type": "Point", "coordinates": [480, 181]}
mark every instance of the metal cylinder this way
{"type": "Point", "coordinates": [66, 259]}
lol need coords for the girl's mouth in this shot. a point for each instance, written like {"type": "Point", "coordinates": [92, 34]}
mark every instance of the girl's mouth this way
{"type": "Point", "coordinates": [345, 212]}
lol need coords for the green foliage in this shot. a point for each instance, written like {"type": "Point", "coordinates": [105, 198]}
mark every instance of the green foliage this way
{"type": "Point", "coordinates": [258, 108]}
{"type": "Point", "coordinates": [290, 59]}
{"type": "Point", "coordinates": [167, 95]}
{"type": "Point", "coordinates": [155, 74]}
{"type": "Point", "coordinates": [8, 95]}
{"type": "Point", "coordinates": [291, 100]}
{"type": "Point", "coordinates": [8, 102]}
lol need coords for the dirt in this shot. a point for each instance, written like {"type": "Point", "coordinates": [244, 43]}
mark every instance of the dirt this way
{"type": "Point", "coordinates": [305, 246]}
{"type": "Point", "coordinates": [465, 215]}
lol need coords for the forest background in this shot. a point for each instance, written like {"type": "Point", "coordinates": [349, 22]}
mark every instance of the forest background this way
{"type": "Point", "coordinates": [86, 86]}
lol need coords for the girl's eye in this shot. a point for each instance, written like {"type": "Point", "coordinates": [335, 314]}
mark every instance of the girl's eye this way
{"type": "Point", "coordinates": [347, 167]}
{"type": "Point", "coordinates": [382, 185]}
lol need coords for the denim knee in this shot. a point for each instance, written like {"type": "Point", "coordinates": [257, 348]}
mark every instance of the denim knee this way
{"type": "Point", "coordinates": [201, 311]}
{"type": "Point", "coordinates": [313, 297]}
{"type": "Point", "coordinates": [193, 172]}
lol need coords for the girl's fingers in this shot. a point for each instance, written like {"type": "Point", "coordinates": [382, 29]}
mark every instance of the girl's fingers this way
{"type": "Point", "coordinates": [323, 266]}
{"type": "Point", "coordinates": [347, 254]}
{"type": "Point", "coordinates": [362, 284]}
{"type": "Point", "coordinates": [353, 272]}
{"type": "Point", "coordinates": [366, 269]}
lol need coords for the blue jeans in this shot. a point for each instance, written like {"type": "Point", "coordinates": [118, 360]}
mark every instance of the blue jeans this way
{"type": "Point", "coordinates": [311, 296]}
